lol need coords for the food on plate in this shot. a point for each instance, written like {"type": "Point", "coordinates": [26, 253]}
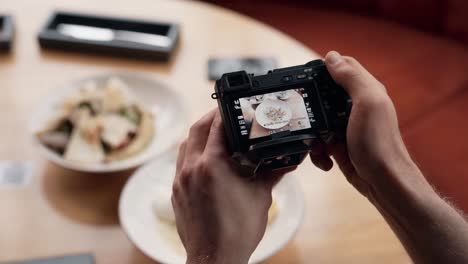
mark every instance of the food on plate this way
{"type": "Point", "coordinates": [99, 124]}
{"type": "Point", "coordinates": [162, 206]}
{"type": "Point", "coordinates": [275, 114]}
{"type": "Point", "coordinates": [272, 212]}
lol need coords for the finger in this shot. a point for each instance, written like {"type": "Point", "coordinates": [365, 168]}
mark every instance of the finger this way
{"type": "Point", "coordinates": [270, 179]}
{"type": "Point", "coordinates": [178, 220]}
{"type": "Point", "coordinates": [318, 148]}
{"type": "Point", "coordinates": [181, 156]}
{"type": "Point", "coordinates": [320, 157]}
{"type": "Point", "coordinates": [216, 139]}
{"type": "Point", "coordinates": [198, 136]}
{"type": "Point", "coordinates": [350, 74]}
{"type": "Point", "coordinates": [340, 154]}
{"type": "Point", "coordinates": [323, 162]}
{"type": "Point", "coordinates": [179, 164]}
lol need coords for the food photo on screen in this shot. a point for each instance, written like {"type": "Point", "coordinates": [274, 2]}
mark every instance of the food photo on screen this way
{"type": "Point", "coordinates": [270, 113]}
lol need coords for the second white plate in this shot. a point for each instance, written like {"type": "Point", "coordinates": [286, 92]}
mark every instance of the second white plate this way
{"type": "Point", "coordinates": [159, 240]}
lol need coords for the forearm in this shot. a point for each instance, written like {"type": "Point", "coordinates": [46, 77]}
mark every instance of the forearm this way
{"type": "Point", "coordinates": [429, 228]}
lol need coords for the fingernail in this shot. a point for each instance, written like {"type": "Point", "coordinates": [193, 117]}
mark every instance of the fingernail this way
{"type": "Point", "coordinates": [333, 58]}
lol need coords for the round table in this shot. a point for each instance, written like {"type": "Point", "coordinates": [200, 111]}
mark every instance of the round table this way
{"type": "Point", "coordinates": [62, 212]}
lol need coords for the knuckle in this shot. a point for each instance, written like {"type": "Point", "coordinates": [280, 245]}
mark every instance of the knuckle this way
{"type": "Point", "coordinates": [204, 170]}
{"type": "Point", "coordinates": [382, 87]}
{"type": "Point", "coordinates": [215, 154]}
{"type": "Point", "coordinates": [194, 128]}
{"type": "Point", "coordinates": [375, 102]}
{"type": "Point", "coordinates": [176, 189]}
{"type": "Point", "coordinates": [350, 60]}
{"type": "Point", "coordinates": [201, 125]}
{"type": "Point", "coordinates": [381, 100]}
{"type": "Point", "coordinates": [185, 175]}
{"type": "Point", "coordinates": [217, 122]}
{"type": "Point", "coordinates": [346, 71]}
{"type": "Point", "coordinates": [183, 145]}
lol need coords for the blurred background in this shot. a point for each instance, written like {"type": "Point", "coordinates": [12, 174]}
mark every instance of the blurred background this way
{"type": "Point", "coordinates": [417, 48]}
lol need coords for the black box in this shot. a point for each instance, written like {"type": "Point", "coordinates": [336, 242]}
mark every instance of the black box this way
{"type": "Point", "coordinates": [111, 36]}
{"type": "Point", "coordinates": [6, 33]}
{"type": "Point", "coordinates": [72, 259]}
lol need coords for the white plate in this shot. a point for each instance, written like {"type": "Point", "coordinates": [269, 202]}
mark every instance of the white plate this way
{"type": "Point", "coordinates": [170, 123]}
{"type": "Point", "coordinates": [159, 241]}
{"type": "Point", "coordinates": [264, 121]}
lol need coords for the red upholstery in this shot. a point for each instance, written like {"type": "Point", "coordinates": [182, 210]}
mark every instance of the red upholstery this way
{"type": "Point", "coordinates": [447, 17]}
{"type": "Point", "coordinates": [438, 143]}
{"type": "Point", "coordinates": [425, 73]}
{"type": "Point", "coordinates": [457, 21]}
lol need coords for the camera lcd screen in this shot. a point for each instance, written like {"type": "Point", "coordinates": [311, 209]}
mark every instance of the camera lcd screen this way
{"type": "Point", "coordinates": [267, 114]}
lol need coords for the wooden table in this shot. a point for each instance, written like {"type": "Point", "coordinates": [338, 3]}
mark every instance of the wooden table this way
{"type": "Point", "coordinates": [63, 212]}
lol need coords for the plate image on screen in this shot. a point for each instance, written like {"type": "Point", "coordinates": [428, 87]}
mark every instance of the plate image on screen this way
{"type": "Point", "coordinates": [270, 113]}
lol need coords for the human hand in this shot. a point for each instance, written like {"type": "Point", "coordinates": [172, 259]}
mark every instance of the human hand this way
{"type": "Point", "coordinates": [220, 215]}
{"type": "Point", "coordinates": [373, 140]}
{"type": "Point", "coordinates": [375, 160]}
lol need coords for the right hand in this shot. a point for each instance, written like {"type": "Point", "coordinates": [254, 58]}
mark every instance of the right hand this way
{"type": "Point", "coordinates": [373, 140]}
{"type": "Point", "coordinates": [375, 160]}
{"type": "Point", "coordinates": [221, 216]}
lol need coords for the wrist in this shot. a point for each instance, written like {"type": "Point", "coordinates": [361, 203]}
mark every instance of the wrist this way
{"type": "Point", "coordinates": [416, 213]}
{"type": "Point", "coordinates": [400, 186]}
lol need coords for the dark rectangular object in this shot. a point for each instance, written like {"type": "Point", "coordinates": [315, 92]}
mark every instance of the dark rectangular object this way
{"type": "Point", "coordinates": [6, 32]}
{"type": "Point", "coordinates": [72, 259]}
{"type": "Point", "coordinates": [257, 111]}
{"type": "Point", "coordinates": [111, 36]}
{"type": "Point", "coordinates": [257, 66]}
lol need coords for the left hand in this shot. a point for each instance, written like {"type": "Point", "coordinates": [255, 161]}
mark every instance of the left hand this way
{"type": "Point", "coordinates": [220, 215]}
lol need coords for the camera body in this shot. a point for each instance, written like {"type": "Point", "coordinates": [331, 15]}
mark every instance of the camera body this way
{"type": "Point", "coordinates": [272, 120]}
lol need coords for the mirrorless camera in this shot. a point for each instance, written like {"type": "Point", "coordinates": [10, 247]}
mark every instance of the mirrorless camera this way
{"type": "Point", "coordinates": [272, 120]}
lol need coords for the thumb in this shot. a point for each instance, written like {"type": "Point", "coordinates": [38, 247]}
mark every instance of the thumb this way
{"type": "Point", "coordinates": [351, 75]}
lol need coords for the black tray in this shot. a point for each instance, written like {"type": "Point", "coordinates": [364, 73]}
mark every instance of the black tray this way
{"type": "Point", "coordinates": [111, 36]}
{"type": "Point", "coordinates": [6, 32]}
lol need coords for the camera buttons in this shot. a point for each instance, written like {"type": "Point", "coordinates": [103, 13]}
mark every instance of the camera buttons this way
{"type": "Point", "coordinates": [301, 76]}
{"type": "Point", "coordinates": [287, 78]}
